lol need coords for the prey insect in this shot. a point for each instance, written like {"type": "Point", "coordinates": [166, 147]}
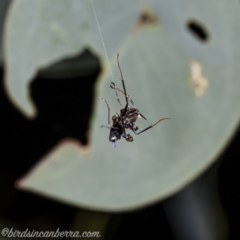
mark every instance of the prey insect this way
{"type": "Point", "coordinates": [127, 117]}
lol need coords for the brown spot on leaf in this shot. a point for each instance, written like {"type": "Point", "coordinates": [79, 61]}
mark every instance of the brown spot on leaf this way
{"type": "Point", "coordinates": [146, 18]}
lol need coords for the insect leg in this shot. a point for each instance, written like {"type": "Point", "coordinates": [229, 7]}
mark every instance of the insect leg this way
{"type": "Point", "coordinates": [142, 116]}
{"type": "Point", "coordinates": [128, 137]}
{"type": "Point", "coordinates": [113, 87]}
{"type": "Point", "coordinates": [106, 127]}
{"type": "Point", "coordinates": [131, 114]}
{"type": "Point", "coordinates": [133, 127]}
{"type": "Point", "coordinates": [108, 110]}
{"type": "Point", "coordinates": [117, 89]}
{"type": "Point", "coordinates": [124, 88]}
{"type": "Point", "coordinates": [128, 97]}
{"type": "Point", "coordinates": [152, 125]}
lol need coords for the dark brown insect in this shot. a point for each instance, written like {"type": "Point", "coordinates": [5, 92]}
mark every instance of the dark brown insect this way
{"type": "Point", "coordinates": [127, 117]}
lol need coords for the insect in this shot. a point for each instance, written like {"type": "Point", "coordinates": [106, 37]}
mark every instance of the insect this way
{"type": "Point", "coordinates": [127, 117]}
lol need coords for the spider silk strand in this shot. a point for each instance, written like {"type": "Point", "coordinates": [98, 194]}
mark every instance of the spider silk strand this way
{"type": "Point", "coordinates": [100, 33]}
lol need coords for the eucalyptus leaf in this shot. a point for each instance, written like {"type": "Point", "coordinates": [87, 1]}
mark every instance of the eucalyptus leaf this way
{"type": "Point", "coordinates": [39, 33]}
{"type": "Point", "coordinates": [160, 76]}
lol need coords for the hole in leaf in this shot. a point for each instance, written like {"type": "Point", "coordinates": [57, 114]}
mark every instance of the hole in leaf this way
{"type": "Point", "coordinates": [64, 94]}
{"type": "Point", "coordinates": [198, 30]}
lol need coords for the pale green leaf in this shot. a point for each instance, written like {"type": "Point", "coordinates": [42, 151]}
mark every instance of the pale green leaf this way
{"type": "Point", "coordinates": [41, 32]}
{"type": "Point", "coordinates": [156, 69]}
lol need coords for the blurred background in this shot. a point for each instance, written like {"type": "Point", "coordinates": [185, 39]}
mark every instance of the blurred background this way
{"type": "Point", "coordinates": [207, 208]}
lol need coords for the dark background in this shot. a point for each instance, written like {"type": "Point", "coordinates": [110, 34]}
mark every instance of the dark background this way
{"type": "Point", "coordinates": [64, 108]}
